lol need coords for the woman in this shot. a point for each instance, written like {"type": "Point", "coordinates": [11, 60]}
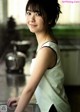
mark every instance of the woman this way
{"type": "Point", "coordinates": [47, 76]}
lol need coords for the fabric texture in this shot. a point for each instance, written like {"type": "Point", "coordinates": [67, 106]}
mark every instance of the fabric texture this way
{"type": "Point", "coordinates": [50, 90]}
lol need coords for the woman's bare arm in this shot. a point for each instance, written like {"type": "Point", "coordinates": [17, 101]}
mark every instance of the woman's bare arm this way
{"type": "Point", "coordinates": [44, 60]}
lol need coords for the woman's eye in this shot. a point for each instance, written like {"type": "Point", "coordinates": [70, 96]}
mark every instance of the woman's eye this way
{"type": "Point", "coordinates": [38, 13]}
{"type": "Point", "coordinates": [28, 13]}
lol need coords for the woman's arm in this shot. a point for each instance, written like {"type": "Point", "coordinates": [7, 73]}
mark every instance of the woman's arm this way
{"type": "Point", "coordinates": [44, 59]}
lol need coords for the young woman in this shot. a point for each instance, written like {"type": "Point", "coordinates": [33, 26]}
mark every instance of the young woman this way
{"type": "Point", "coordinates": [47, 76]}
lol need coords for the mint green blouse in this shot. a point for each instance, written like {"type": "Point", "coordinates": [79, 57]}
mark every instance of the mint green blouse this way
{"type": "Point", "coordinates": [50, 89]}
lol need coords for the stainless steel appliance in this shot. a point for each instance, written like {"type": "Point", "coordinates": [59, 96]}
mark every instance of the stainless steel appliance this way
{"type": "Point", "coordinates": [15, 59]}
{"type": "Point", "coordinates": [15, 62]}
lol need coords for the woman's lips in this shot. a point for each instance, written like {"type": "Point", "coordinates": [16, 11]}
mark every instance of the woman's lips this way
{"type": "Point", "coordinates": [33, 25]}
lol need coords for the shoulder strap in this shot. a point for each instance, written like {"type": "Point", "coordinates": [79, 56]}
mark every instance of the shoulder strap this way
{"type": "Point", "coordinates": [51, 44]}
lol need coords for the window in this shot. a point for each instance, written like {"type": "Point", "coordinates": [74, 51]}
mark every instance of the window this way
{"type": "Point", "coordinates": [16, 8]}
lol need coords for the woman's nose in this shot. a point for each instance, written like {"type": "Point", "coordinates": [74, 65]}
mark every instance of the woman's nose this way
{"type": "Point", "coordinates": [32, 18]}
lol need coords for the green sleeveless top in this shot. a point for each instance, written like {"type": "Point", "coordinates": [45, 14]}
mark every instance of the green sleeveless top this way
{"type": "Point", "coordinates": [50, 89]}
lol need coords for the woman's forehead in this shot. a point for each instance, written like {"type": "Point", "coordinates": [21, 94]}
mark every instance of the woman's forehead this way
{"type": "Point", "coordinates": [33, 7]}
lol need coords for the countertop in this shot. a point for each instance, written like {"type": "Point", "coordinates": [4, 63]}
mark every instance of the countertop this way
{"type": "Point", "coordinates": [11, 85]}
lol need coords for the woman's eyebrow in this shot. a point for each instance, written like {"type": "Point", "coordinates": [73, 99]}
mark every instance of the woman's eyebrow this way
{"type": "Point", "coordinates": [34, 10]}
{"type": "Point", "coordinates": [29, 10]}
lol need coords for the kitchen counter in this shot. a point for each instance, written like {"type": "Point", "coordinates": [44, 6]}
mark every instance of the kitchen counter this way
{"type": "Point", "coordinates": [30, 108]}
{"type": "Point", "coordinates": [11, 85]}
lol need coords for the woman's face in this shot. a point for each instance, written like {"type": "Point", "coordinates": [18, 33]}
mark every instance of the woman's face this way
{"type": "Point", "coordinates": [35, 21]}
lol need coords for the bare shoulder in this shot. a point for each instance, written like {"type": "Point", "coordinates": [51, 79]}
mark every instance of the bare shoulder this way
{"type": "Point", "coordinates": [45, 59]}
{"type": "Point", "coordinates": [47, 55]}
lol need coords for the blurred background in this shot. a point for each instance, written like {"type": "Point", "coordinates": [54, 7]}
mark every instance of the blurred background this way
{"type": "Point", "coordinates": [17, 43]}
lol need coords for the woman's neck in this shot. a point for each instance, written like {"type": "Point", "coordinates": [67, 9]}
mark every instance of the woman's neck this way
{"type": "Point", "coordinates": [43, 37]}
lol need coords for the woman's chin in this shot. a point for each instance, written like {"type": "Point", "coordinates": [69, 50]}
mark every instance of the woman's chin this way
{"type": "Point", "coordinates": [32, 30]}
